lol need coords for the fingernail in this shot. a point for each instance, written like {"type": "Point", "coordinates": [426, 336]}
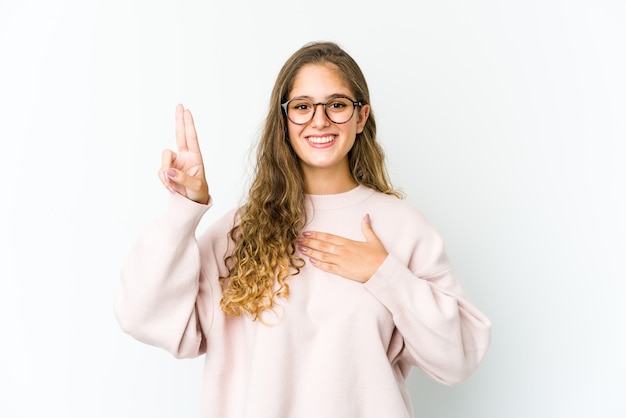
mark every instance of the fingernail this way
{"type": "Point", "coordinates": [171, 172]}
{"type": "Point", "coordinates": [367, 218]}
{"type": "Point", "coordinates": [302, 249]}
{"type": "Point", "coordinates": [171, 189]}
{"type": "Point", "coordinates": [306, 233]}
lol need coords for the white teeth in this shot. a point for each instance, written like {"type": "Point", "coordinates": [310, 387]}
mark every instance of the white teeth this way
{"type": "Point", "coordinates": [321, 140]}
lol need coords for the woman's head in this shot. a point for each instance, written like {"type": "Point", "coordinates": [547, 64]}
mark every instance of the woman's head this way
{"type": "Point", "coordinates": [366, 158]}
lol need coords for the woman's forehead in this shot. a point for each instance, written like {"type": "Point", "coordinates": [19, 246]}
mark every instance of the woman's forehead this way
{"type": "Point", "coordinates": [319, 81]}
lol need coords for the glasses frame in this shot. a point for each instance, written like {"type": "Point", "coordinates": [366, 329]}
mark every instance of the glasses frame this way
{"type": "Point", "coordinates": [323, 104]}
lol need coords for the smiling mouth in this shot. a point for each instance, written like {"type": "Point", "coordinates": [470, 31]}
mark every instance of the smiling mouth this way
{"type": "Point", "coordinates": [321, 139]}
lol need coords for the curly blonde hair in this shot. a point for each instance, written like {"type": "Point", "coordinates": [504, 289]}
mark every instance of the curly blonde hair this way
{"type": "Point", "coordinates": [264, 255]}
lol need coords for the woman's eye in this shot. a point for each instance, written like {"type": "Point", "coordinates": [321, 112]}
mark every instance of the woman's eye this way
{"type": "Point", "coordinates": [336, 105]}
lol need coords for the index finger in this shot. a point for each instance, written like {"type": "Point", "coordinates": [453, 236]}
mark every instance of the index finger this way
{"type": "Point", "coordinates": [181, 141]}
{"type": "Point", "coordinates": [325, 237]}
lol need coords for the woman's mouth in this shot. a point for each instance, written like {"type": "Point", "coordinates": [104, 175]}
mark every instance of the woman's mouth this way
{"type": "Point", "coordinates": [320, 140]}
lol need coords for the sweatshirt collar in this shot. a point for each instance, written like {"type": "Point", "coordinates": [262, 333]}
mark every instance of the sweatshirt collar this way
{"type": "Point", "coordinates": [340, 200]}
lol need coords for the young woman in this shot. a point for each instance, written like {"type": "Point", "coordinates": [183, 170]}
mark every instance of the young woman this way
{"type": "Point", "coordinates": [318, 295]}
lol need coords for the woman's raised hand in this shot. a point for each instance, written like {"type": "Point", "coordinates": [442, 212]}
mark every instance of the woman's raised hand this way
{"type": "Point", "coordinates": [182, 172]}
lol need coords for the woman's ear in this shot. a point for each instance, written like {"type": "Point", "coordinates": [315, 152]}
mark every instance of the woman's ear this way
{"type": "Point", "coordinates": [364, 113]}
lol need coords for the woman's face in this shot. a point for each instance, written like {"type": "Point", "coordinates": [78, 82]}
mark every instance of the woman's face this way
{"type": "Point", "coordinates": [320, 144]}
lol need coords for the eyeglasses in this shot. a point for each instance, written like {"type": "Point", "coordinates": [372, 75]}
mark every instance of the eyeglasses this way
{"type": "Point", "coordinates": [338, 109]}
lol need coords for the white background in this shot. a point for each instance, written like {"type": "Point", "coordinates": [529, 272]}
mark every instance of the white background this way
{"type": "Point", "coordinates": [503, 121]}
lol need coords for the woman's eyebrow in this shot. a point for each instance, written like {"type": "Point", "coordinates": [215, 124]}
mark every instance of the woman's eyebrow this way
{"type": "Point", "coordinates": [330, 97]}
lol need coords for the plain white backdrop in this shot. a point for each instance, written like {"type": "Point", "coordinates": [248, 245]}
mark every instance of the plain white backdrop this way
{"type": "Point", "coordinates": [503, 121]}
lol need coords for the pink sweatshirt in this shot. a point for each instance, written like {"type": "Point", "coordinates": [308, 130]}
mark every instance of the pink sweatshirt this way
{"type": "Point", "coordinates": [336, 348]}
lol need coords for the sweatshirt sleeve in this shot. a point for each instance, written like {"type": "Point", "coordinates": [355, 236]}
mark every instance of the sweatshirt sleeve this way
{"type": "Point", "coordinates": [443, 333]}
{"type": "Point", "coordinates": [159, 299]}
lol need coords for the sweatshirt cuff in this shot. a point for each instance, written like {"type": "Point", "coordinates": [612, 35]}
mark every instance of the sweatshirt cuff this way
{"type": "Point", "coordinates": [393, 283]}
{"type": "Point", "coordinates": [383, 275]}
{"type": "Point", "coordinates": [182, 217]}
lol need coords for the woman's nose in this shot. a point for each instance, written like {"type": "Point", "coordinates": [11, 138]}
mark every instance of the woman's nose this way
{"type": "Point", "coordinates": [320, 119]}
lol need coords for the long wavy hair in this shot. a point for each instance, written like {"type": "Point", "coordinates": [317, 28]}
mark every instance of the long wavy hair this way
{"type": "Point", "coordinates": [264, 254]}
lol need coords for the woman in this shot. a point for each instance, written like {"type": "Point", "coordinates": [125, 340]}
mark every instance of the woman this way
{"type": "Point", "coordinates": [317, 296]}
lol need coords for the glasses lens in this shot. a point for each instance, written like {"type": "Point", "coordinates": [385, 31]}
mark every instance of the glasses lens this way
{"type": "Point", "coordinates": [300, 110]}
{"type": "Point", "coordinates": [338, 110]}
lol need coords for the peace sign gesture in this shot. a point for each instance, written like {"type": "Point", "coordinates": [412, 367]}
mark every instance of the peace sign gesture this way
{"type": "Point", "coordinates": [182, 172]}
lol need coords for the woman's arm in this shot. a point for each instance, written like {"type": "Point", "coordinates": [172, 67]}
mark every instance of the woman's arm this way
{"type": "Point", "coordinates": [156, 302]}
{"type": "Point", "coordinates": [444, 334]}
{"type": "Point", "coordinates": [158, 299]}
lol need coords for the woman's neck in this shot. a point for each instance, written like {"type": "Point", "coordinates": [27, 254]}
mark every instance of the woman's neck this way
{"type": "Point", "coordinates": [328, 181]}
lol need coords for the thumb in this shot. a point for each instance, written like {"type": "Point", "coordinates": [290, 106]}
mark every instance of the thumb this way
{"type": "Point", "coordinates": [191, 187]}
{"type": "Point", "coordinates": [180, 177]}
{"type": "Point", "coordinates": [174, 175]}
{"type": "Point", "coordinates": [368, 232]}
